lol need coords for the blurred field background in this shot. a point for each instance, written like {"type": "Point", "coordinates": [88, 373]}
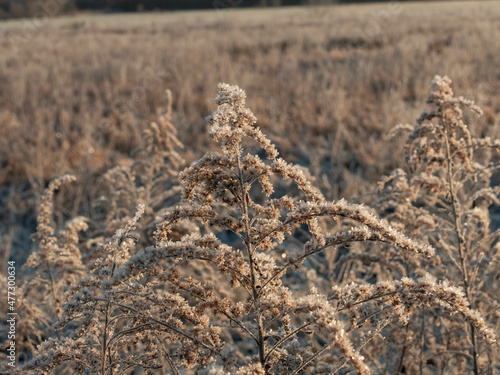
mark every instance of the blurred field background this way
{"type": "Point", "coordinates": [326, 83]}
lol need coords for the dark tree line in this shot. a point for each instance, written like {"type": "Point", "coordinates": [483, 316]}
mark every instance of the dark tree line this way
{"type": "Point", "coordinates": [27, 8]}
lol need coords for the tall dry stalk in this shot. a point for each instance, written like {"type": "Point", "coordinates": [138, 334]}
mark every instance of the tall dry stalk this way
{"type": "Point", "coordinates": [444, 196]}
{"type": "Point", "coordinates": [154, 309]}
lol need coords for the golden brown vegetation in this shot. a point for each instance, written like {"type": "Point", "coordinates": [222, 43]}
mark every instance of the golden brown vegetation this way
{"type": "Point", "coordinates": [75, 96]}
{"type": "Point", "coordinates": [240, 276]}
{"type": "Point", "coordinates": [245, 311]}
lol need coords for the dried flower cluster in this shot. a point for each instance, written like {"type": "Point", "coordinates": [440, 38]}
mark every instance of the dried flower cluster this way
{"type": "Point", "coordinates": [149, 179]}
{"type": "Point", "coordinates": [443, 196]}
{"type": "Point", "coordinates": [234, 294]}
{"type": "Point", "coordinates": [58, 257]}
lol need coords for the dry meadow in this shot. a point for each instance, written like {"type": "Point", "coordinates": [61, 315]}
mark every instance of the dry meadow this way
{"type": "Point", "coordinates": [304, 235]}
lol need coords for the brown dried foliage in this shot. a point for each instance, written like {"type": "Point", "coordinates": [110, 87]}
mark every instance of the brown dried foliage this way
{"type": "Point", "coordinates": [225, 297]}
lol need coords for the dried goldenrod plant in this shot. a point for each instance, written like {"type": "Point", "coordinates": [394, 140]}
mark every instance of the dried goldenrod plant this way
{"type": "Point", "coordinates": [52, 268]}
{"type": "Point", "coordinates": [57, 259]}
{"type": "Point", "coordinates": [443, 196]}
{"type": "Point", "coordinates": [149, 179]}
{"type": "Point", "coordinates": [153, 310]}
{"type": "Point", "coordinates": [116, 329]}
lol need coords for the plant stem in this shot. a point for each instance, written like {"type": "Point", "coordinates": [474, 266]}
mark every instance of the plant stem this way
{"type": "Point", "coordinates": [105, 340]}
{"type": "Point", "coordinates": [248, 244]}
{"type": "Point", "coordinates": [461, 242]}
{"type": "Point", "coordinates": [422, 343]}
{"type": "Point", "coordinates": [403, 351]}
{"type": "Point", "coordinates": [52, 289]}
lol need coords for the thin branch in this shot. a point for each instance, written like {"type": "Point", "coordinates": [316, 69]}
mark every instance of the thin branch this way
{"type": "Point", "coordinates": [287, 337]}
{"type": "Point", "coordinates": [156, 321]}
